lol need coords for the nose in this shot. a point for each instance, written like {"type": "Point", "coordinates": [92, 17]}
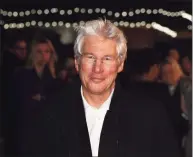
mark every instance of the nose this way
{"type": "Point", "coordinates": [44, 55]}
{"type": "Point", "coordinates": [98, 66]}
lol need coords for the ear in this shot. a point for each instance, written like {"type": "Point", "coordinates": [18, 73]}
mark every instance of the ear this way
{"type": "Point", "coordinates": [120, 68]}
{"type": "Point", "coordinates": [76, 62]}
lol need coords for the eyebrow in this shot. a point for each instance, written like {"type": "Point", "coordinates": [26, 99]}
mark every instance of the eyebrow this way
{"type": "Point", "coordinates": [90, 53]}
{"type": "Point", "coordinates": [87, 53]}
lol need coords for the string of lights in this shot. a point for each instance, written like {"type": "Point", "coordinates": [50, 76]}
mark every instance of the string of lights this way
{"type": "Point", "coordinates": [127, 24]}
{"type": "Point", "coordinates": [104, 11]}
{"type": "Point", "coordinates": [189, 27]}
{"type": "Point", "coordinates": [61, 23]}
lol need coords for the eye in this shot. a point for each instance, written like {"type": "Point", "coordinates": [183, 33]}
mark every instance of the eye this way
{"type": "Point", "coordinates": [39, 51]}
{"type": "Point", "coordinates": [47, 51]}
{"type": "Point", "coordinates": [89, 56]}
{"type": "Point", "coordinates": [108, 58]}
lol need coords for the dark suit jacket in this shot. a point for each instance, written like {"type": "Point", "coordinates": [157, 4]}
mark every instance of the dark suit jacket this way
{"type": "Point", "coordinates": [160, 92]}
{"type": "Point", "coordinates": [186, 89]}
{"type": "Point", "coordinates": [134, 126]}
{"type": "Point", "coordinates": [155, 90]}
{"type": "Point", "coordinates": [181, 125]}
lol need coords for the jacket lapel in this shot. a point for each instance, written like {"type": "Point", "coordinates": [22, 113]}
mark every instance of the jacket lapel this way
{"type": "Point", "coordinates": [79, 129]}
{"type": "Point", "coordinates": [109, 139]}
{"type": "Point", "coordinates": [109, 134]}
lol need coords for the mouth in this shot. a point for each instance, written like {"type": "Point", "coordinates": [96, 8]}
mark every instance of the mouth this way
{"type": "Point", "coordinates": [97, 80]}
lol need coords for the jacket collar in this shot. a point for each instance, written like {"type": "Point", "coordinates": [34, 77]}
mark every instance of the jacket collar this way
{"type": "Point", "coordinates": [81, 131]}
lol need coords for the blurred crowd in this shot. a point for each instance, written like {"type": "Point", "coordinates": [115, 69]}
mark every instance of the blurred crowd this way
{"type": "Point", "coordinates": [31, 72]}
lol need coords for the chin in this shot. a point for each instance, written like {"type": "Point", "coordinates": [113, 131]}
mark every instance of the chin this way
{"type": "Point", "coordinates": [96, 92]}
{"type": "Point", "coordinates": [98, 89]}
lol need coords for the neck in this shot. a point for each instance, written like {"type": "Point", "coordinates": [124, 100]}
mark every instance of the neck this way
{"type": "Point", "coordinates": [96, 100]}
{"type": "Point", "coordinates": [17, 55]}
{"type": "Point", "coordinates": [39, 68]}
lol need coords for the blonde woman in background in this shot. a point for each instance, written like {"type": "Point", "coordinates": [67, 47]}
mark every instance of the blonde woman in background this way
{"type": "Point", "coordinates": [42, 54]}
{"type": "Point", "coordinates": [30, 88]}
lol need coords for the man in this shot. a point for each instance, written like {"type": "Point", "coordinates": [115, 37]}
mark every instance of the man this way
{"type": "Point", "coordinates": [146, 70]}
{"type": "Point", "coordinates": [13, 57]}
{"type": "Point", "coordinates": [186, 66]}
{"type": "Point", "coordinates": [172, 75]}
{"type": "Point", "coordinates": [186, 89]}
{"type": "Point", "coordinates": [96, 117]}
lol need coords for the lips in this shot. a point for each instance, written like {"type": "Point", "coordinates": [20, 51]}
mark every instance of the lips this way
{"type": "Point", "coordinates": [97, 80]}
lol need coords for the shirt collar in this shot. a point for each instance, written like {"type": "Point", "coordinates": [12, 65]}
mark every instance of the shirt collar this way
{"type": "Point", "coordinates": [105, 105]}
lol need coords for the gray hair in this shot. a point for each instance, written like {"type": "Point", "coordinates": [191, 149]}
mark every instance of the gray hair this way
{"type": "Point", "coordinates": [103, 28]}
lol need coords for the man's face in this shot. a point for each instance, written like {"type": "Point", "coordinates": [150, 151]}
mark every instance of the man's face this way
{"type": "Point", "coordinates": [21, 49]}
{"type": "Point", "coordinates": [186, 65]}
{"type": "Point", "coordinates": [98, 77]}
{"type": "Point", "coordinates": [168, 74]}
{"type": "Point", "coordinates": [174, 54]}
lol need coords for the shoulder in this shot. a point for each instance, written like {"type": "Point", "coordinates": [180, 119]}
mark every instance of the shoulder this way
{"type": "Point", "coordinates": [185, 84]}
{"type": "Point", "coordinates": [186, 79]}
{"type": "Point", "coordinates": [21, 73]}
{"type": "Point", "coordinates": [138, 108]}
{"type": "Point", "coordinates": [141, 103]}
{"type": "Point", "coordinates": [22, 70]}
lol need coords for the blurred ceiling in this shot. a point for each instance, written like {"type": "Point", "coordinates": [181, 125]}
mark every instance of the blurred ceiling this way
{"type": "Point", "coordinates": [175, 23]}
{"type": "Point", "coordinates": [97, 3]}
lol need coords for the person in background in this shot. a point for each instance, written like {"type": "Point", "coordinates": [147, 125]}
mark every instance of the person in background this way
{"type": "Point", "coordinates": [29, 88]}
{"type": "Point", "coordinates": [174, 54]}
{"type": "Point", "coordinates": [146, 70]}
{"type": "Point", "coordinates": [186, 90]}
{"type": "Point", "coordinates": [146, 66]}
{"type": "Point", "coordinates": [68, 73]}
{"type": "Point", "coordinates": [13, 56]}
{"type": "Point", "coordinates": [171, 74]}
{"type": "Point", "coordinates": [95, 116]}
{"type": "Point", "coordinates": [186, 65]}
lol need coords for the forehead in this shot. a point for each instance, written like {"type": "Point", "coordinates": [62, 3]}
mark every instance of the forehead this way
{"type": "Point", "coordinates": [21, 43]}
{"type": "Point", "coordinates": [42, 45]}
{"type": "Point", "coordinates": [173, 51]}
{"type": "Point", "coordinates": [99, 45]}
{"type": "Point", "coordinates": [185, 59]}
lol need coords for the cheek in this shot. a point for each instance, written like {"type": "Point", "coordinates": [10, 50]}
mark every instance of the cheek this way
{"type": "Point", "coordinates": [110, 73]}
{"type": "Point", "coordinates": [47, 56]}
{"type": "Point", "coordinates": [37, 56]}
{"type": "Point", "coordinates": [85, 67]}
{"type": "Point", "coordinates": [84, 70]}
{"type": "Point", "coordinates": [112, 70]}
{"type": "Point", "coordinates": [187, 66]}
